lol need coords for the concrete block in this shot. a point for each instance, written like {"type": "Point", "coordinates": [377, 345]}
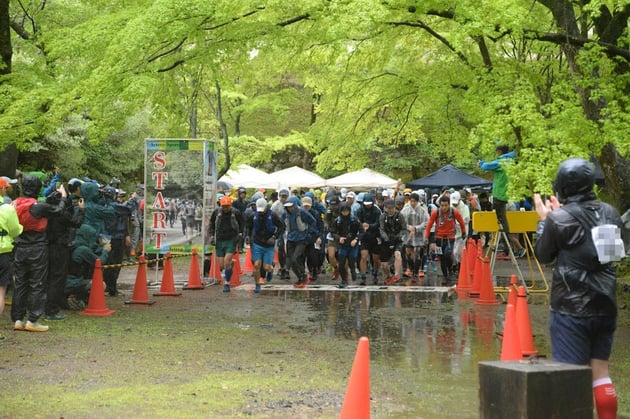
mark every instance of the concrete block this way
{"type": "Point", "coordinates": [534, 390]}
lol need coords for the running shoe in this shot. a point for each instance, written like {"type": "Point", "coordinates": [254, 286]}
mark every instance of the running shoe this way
{"type": "Point", "coordinates": [35, 327]}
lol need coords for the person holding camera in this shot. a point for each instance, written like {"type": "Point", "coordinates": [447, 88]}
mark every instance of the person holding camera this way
{"type": "Point", "coordinates": [583, 305]}
{"type": "Point", "coordinates": [31, 255]}
{"type": "Point", "coordinates": [264, 227]}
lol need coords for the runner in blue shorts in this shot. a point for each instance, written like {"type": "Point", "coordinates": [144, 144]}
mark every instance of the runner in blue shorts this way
{"type": "Point", "coordinates": [265, 227]}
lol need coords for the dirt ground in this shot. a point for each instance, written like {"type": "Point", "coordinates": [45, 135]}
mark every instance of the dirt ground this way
{"type": "Point", "coordinates": [203, 353]}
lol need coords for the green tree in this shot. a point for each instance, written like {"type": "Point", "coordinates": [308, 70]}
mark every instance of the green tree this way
{"type": "Point", "coordinates": [400, 86]}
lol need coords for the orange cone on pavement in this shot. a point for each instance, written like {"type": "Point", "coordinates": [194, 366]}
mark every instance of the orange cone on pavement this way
{"type": "Point", "coordinates": [511, 345]}
{"type": "Point", "coordinates": [249, 265]}
{"type": "Point", "coordinates": [486, 296]}
{"type": "Point", "coordinates": [215, 268]}
{"type": "Point", "coordinates": [194, 275]}
{"type": "Point", "coordinates": [463, 281]}
{"type": "Point", "coordinates": [357, 401]}
{"type": "Point", "coordinates": [236, 265]}
{"type": "Point", "coordinates": [167, 288]}
{"type": "Point", "coordinates": [524, 325]}
{"type": "Point", "coordinates": [140, 291]}
{"type": "Point", "coordinates": [477, 274]}
{"type": "Point", "coordinates": [472, 257]}
{"type": "Point", "coordinates": [96, 302]}
{"type": "Point", "coordinates": [235, 279]}
{"type": "Point", "coordinates": [513, 290]}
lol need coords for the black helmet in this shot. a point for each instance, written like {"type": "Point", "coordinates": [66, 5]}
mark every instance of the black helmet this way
{"type": "Point", "coordinates": [574, 177]}
{"type": "Point", "coordinates": [31, 185]}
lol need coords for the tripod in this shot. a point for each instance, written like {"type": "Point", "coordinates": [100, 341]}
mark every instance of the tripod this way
{"type": "Point", "coordinates": [496, 241]}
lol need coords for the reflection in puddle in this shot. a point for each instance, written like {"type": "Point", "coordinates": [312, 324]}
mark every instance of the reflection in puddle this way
{"type": "Point", "coordinates": [412, 328]}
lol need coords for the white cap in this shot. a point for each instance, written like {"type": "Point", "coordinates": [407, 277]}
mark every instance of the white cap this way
{"type": "Point", "coordinates": [385, 193]}
{"type": "Point", "coordinates": [350, 195]}
{"type": "Point", "coordinates": [9, 180]}
{"type": "Point", "coordinates": [455, 198]}
{"type": "Point", "coordinates": [261, 205]}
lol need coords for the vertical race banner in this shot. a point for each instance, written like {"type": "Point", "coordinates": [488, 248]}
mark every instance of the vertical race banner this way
{"type": "Point", "coordinates": [180, 183]}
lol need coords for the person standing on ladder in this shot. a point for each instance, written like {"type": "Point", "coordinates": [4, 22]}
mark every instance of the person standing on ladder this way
{"type": "Point", "coordinates": [500, 191]}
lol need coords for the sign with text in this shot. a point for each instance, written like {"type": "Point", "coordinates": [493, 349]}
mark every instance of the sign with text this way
{"type": "Point", "coordinates": [180, 185]}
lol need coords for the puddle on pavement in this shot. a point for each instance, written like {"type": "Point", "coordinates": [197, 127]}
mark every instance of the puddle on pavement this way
{"type": "Point", "coordinates": [433, 341]}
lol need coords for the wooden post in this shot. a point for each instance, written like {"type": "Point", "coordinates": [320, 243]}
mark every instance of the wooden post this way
{"type": "Point", "coordinates": [536, 389]}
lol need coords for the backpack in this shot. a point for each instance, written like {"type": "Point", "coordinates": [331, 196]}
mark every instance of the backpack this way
{"type": "Point", "coordinates": [606, 238]}
{"type": "Point", "coordinates": [233, 220]}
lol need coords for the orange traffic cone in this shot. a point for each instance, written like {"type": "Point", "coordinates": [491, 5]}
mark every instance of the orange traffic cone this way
{"type": "Point", "coordinates": [194, 275]}
{"type": "Point", "coordinates": [215, 268]}
{"type": "Point", "coordinates": [236, 265]}
{"type": "Point", "coordinates": [526, 338]}
{"type": "Point", "coordinates": [96, 302]}
{"type": "Point", "coordinates": [512, 290]}
{"type": "Point", "coordinates": [486, 296]}
{"type": "Point", "coordinates": [167, 288]}
{"type": "Point", "coordinates": [235, 279]}
{"type": "Point", "coordinates": [478, 274]}
{"type": "Point", "coordinates": [511, 345]}
{"type": "Point", "coordinates": [463, 281]}
{"type": "Point", "coordinates": [249, 265]}
{"type": "Point", "coordinates": [472, 257]}
{"type": "Point", "coordinates": [357, 401]}
{"type": "Point", "coordinates": [140, 291]}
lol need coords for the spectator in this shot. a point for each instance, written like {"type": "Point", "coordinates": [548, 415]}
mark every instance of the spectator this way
{"type": "Point", "coordinates": [60, 232]}
{"type": "Point", "coordinates": [583, 301]}
{"type": "Point", "coordinates": [86, 249]}
{"type": "Point", "coordinates": [120, 238]}
{"type": "Point", "coordinates": [500, 197]}
{"type": "Point", "coordinates": [31, 255]}
{"type": "Point", "coordinates": [10, 228]}
{"type": "Point", "coordinates": [6, 188]}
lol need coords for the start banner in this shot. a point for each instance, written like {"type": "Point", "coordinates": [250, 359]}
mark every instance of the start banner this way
{"type": "Point", "coordinates": [180, 186]}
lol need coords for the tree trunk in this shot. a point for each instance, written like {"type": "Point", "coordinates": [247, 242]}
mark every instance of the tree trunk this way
{"type": "Point", "coordinates": [617, 176]}
{"type": "Point", "coordinates": [8, 160]}
{"type": "Point", "coordinates": [6, 49]}
{"type": "Point", "coordinates": [224, 133]}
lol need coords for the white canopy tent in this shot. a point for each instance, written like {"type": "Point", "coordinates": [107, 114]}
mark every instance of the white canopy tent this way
{"type": "Point", "coordinates": [364, 178]}
{"type": "Point", "coordinates": [248, 177]}
{"type": "Point", "coordinates": [297, 177]}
